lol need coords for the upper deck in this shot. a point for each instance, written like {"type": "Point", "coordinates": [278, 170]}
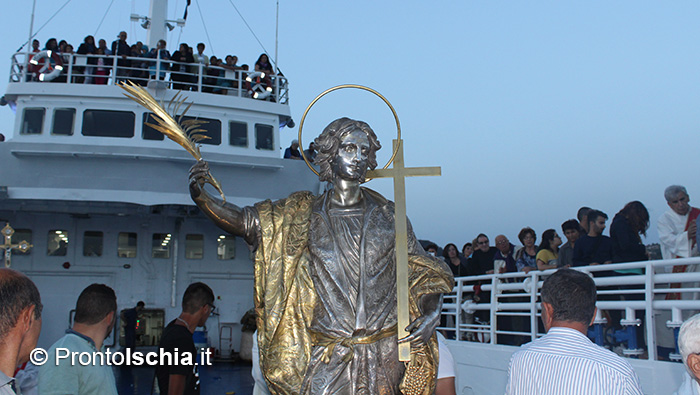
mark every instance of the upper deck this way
{"type": "Point", "coordinates": [78, 110]}
{"type": "Point", "coordinates": [70, 126]}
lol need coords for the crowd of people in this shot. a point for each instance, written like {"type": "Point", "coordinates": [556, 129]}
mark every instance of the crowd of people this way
{"type": "Point", "coordinates": [585, 245]}
{"type": "Point", "coordinates": [139, 63]}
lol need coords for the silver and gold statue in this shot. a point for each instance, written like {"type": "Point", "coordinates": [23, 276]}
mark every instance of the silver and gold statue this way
{"type": "Point", "coordinates": [326, 277]}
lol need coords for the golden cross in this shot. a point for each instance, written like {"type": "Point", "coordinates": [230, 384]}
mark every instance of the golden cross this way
{"type": "Point", "coordinates": [23, 246]}
{"type": "Point", "coordinates": [399, 173]}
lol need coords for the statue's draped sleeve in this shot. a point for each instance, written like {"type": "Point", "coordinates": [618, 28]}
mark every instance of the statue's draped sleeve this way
{"type": "Point", "coordinates": [284, 291]}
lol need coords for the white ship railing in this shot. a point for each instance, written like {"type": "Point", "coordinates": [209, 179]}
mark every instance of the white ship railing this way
{"type": "Point", "coordinates": [81, 69]}
{"type": "Point", "coordinates": [517, 295]}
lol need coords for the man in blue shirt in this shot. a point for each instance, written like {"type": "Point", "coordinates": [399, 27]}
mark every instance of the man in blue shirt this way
{"type": "Point", "coordinates": [94, 319]}
{"type": "Point", "coordinates": [292, 152]}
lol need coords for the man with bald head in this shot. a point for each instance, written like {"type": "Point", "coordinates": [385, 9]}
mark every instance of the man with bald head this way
{"type": "Point", "coordinates": [20, 324]}
{"type": "Point", "coordinates": [504, 262]}
{"type": "Point", "coordinates": [504, 259]}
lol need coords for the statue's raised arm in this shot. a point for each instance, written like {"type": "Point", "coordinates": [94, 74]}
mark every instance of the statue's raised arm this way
{"type": "Point", "coordinates": [226, 216]}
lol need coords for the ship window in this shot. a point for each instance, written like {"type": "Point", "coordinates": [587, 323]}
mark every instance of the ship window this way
{"type": "Point", "coordinates": [263, 137]}
{"type": "Point", "coordinates": [92, 243]}
{"type": "Point", "coordinates": [226, 247]}
{"type": "Point", "coordinates": [33, 120]}
{"type": "Point", "coordinates": [19, 236]}
{"type": "Point", "coordinates": [57, 243]}
{"type": "Point", "coordinates": [238, 134]}
{"type": "Point", "coordinates": [212, 128]}
{"type": "Point", "coordinates": [148, 132]}
{"type": "Point", "coordinates": [126, 245]}
{"type": "Point", "coordinates": [194, 246]}
{"type": "Point", "coordinates": [106, 123]}
{"type": "Point", "coordinates": [63, 120]}
{"type": "Point", "coordinates": [161, 245]}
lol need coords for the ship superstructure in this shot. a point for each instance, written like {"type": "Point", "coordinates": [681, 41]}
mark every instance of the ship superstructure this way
{"type": "Point", "coordinates": [104, 198]}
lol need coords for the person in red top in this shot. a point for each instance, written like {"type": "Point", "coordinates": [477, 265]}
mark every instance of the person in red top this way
{"type": "Point", "coordinates": [32, 68]}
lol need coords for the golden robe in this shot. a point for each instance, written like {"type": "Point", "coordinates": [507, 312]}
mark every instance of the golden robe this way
{"type": "Point", "coordinates": [285, 297]}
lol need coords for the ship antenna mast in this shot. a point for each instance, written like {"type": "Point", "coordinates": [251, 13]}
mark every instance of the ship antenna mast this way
{"type": "Point", "coordinates": [31, 26]}
{"type": "Point", "coordinates": [277, 28]}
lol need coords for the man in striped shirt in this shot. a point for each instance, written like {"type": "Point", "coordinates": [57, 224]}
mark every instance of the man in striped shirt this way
{"type": "Point", "coordinates": [565, 361]}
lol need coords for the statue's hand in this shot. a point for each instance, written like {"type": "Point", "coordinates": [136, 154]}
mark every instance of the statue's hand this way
{"type": "Point", "coordinates": [199, 173]}
{"type": "Point", "coordinates": [423, 327]}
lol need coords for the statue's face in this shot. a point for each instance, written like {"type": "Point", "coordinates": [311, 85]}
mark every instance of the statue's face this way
{"type": "Point", "coordinates": [350, 163]}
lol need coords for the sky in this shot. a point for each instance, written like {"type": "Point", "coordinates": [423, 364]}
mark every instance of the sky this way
{"type": "Point", "coordinates": [531, 108]}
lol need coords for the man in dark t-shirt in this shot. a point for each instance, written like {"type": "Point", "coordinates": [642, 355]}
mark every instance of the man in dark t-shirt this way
{"type": "Point", "coordinates": [181, 376]}
{"type": "Point", "coordinates": [482, 258]}
{"type": "Point", "coordinates": [593, 248]}
{"type": "Point", "coordinates": [130, 318]}
{"type": "Point", "coordinates": [480, 263]}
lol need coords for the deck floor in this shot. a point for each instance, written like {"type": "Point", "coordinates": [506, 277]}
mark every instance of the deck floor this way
{"type": "Point", "coordinates": [221, 378]}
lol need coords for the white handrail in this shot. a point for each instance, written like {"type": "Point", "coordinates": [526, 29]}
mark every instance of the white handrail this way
{"type": "Point", "coordinates": [198, 77]}
{"type": "Point", "coordinates": [517, 294]}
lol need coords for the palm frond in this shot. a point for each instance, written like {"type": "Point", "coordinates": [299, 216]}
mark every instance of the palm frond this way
{"type": "Point", "coordinates": [186, 133]}
{"type": "Point", "coordinates": [169, 126]}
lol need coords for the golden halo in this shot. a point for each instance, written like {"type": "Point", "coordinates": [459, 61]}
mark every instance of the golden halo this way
{"type": "Point", "coordinates": [344, 86]}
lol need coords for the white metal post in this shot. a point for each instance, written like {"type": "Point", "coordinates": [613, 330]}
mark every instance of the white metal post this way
{"type": "Point", "coordinates": [649, 317]}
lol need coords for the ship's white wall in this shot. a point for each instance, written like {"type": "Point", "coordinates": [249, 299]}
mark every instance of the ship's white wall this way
{"type": "Point", "coordinates": [482, 369]}
{"type": "Point", "coordinates": [146, 278]}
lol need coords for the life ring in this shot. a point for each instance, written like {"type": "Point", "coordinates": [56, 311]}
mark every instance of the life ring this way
{"type": "Point", "coordinates": [47, 72]}
{"type": "Point", "coordinates": [259, 88]}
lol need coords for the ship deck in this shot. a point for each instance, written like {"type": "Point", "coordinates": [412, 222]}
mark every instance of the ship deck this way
{"type": "Point", "coordinates": [219, 378]}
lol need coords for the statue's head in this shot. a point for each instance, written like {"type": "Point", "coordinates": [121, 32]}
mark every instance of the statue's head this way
{"type": "Point", "coordinates": [329, 142]}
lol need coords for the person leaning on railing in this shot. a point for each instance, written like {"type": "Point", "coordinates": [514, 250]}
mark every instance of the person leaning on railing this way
{"type": "Point", "coordinates": [102, 67]}
{"type": "Point", "coordinates": [31, 68]}
{"type": "Point", "coordinates": [179, 72]}
{"type": "Point", "coordinates": [263, 65]}
{"type": "Point", "coordinates": [159, 52]}
{"type": "Point", "coordinates": [122, 49]}
{"type": "Point", "coordinates": [54, 59]}
{"type": "Point", "coordinates": [212, 72]}
{"type": "Point", "coordinates": [138, 71]}
{"type": "Point", "coordinates": [232, 65]}
{"type": "Point", "coordinates": [86, 48]}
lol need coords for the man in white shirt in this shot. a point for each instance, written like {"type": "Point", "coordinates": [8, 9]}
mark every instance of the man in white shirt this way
{"type": "Point", "coordinates": [446, 369]}
{"type": "Point", "coordinates": [200, 57]}
{"type": "Point", "coordinates": [677, 231]}
{"type": "Point", "coordinates": [565, 361]}
{"type": "Point", "coordinates": [689, 345]}
{"type": "Point", "coordinates": [677, 228]}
